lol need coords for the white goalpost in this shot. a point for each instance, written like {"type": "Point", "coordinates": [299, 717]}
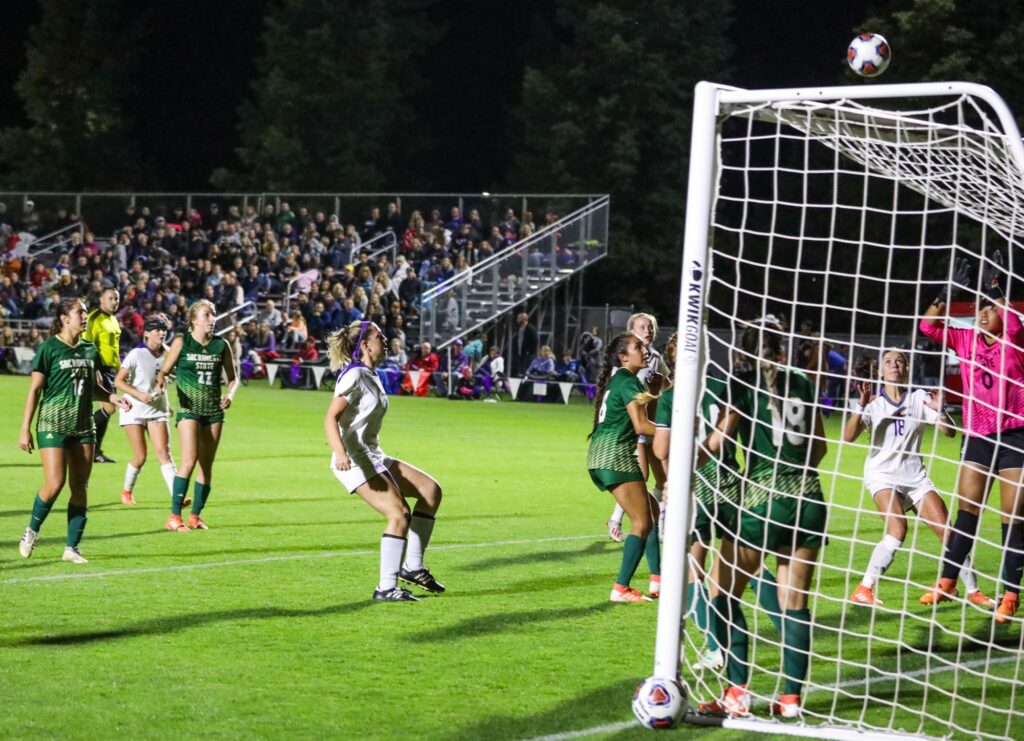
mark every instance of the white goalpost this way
{"type": "Point", "coordinates": [832, 217]}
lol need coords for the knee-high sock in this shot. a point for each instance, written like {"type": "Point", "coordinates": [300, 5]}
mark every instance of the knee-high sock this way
{"type": "Point", "coordinates": [767, 591]}
{"type": "Point", "coordinates": [652, 551]}
{"type": "Point", "coordinates": [697, 599]}
{"type": "Point", "coordinates": [1013, 557]}
{"type": "Point", "coordinates": [881, 559]}
{"type": "Point", "coordinates": [168, 471]}
{"type": "Point", "coordinates": [961, 540]}
{"type": "Point", "coordinates": [131, 475]}
{"type": "Point", "coordinates": [200, 496]}
{"type": "Point", "coordinates": [76, 524]}
{"type": "Point", "coordinates": [421, 526]}
{"type": "Point", "coordinates": [796, 647]}
{"type": "Point", "coordinates": [632, 552]}
{"type": "Point", "coordinates": [102, 419]}
{"type": "Point", "coordinates": [178, 494]}
{"type": "Point", "coordinates": [731, 629]}
{"type": "Point", "coordinates": [40, 510]}
{"type": "Point", "coordinates": [391, 548]}
{"type": "Point", "coordinates": [617, 513]}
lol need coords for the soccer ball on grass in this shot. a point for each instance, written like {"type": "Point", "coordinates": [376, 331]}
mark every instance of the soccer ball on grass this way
{"type": "Point", "coordinates": [869, 54]}
{"type": "Point", "coordinates": [659, 702]}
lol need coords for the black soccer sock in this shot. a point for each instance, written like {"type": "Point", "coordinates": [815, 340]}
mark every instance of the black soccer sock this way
{"type": "Point", "coordinates": [102, 419]}
{"type": "Point", "coordinates": [1013, 558]}
{"type": "Point", "coordinates": [961, 540]}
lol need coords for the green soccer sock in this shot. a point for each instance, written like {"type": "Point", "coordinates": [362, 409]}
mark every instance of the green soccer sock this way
{"type": "Point", "coordinates": [178, 494]}
{"type": "Point", "coordinates": [652, 551]}
{"type": "Point", "coordinates": [796, 646]}
{"type": "Point", "coordinates": [632, 552]}
{"type": "Point", "coordinates": [731, 629]}
{"type": "Point", "coordinates": [767, 591]}
{"type": "Point", "coordinates": [40, 510]}
{"type": "Point", "coordinates": [702, 613]}
{"type": "Point", "coordinates": [76, 524]}
{"type": "Point", "coordinates": [200, 495]}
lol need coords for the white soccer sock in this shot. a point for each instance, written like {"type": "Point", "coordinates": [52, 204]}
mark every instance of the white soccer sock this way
{"type": "Point", "coordinates": [391, 548]}
{"type": "Point", "coordinates": [617, 513]}
{"type": "Point", "coordinates": [131, 475]}
{"type": "Point", "coordinates": [168, 471]}
{"type": "Point", "coordinates": [420, 528]}
{"type": "Point", "coordinates": [881, 559]}
{"type": "Point", "coordinates": [658, 494]}
{"type": "Point", "coordinates": [968, 575]}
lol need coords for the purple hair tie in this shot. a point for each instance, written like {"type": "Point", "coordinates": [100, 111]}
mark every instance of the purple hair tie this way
{"type": "Point", "coordinates": [356, 362]}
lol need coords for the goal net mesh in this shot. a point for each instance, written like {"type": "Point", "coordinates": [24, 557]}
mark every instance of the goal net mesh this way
{"type": "Point", "coordinates": [842, 222]}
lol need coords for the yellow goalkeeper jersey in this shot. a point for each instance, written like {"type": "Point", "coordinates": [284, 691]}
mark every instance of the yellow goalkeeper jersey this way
{"type": "Point", "coordinates": [104, 331]}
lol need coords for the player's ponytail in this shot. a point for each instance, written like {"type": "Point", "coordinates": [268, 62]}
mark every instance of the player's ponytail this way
{"type": "Point", "coordinates": [763, 345]}
{"type": "Point", "coordinates": [616, 347]}
{"type": "Point", "coordinates": [342, 343]}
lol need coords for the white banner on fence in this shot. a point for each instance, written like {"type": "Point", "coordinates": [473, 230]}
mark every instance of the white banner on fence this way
{"type": "Point", "coordinates": [318, 373]}
{"type": "Point", "coordinates": [414, 375]}
{"type": "Point", "coordinates": [565, 387]}
{"type": "Point", "coordinates": [513, 384]}
{"type": "Point", "coordinates": [272, 369]}
{"type": "Point", "coordinates": [540, 389]}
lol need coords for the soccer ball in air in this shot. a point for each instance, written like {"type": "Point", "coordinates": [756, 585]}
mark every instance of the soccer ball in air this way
{"type": "Point", "coordinates": [869, 54]}
{"type": "Point", "coordinates": [659, 702]}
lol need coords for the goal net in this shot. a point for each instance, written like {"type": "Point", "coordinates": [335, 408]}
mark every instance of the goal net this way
{"type": "Point", "coordinates": [831, 219]}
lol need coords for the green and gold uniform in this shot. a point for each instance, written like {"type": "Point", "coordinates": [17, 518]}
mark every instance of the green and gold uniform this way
{"type": "Point", "coordinates": [716, 485]}
{"type": "Point", "coordinates": [65, 410]}
{"type": "Point", "coordinates": [198, 380]}
{"type": "Point", "coordinates": [611, 458]}
{"type": "Point", "coordinates": [782, 503]}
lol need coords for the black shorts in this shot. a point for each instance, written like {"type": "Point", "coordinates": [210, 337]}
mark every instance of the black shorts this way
{"type": "Point", "coordinates": [996, 452]}
{"type": "Point", "coordinates": [108, 375]}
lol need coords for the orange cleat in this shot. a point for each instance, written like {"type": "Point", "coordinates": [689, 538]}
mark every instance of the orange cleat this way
{"type": "Point", "coordinates": [127, 498]}
{"type": "Point", "coordinates": [1007, 608]}
{"type": "Point", "coordinates": [862, 596]}
{"type": "Point", "coordinates": [944, 591]}
{"type": "Point", "coordinates": [788, 706]}
{"type": "Point", "coordinates": [175, 524]}
{"type": "Point", "coordinates": [979, 599]}
{"type": "Point", "coordinates": [195, 523]}
{"type": "Point", "coordinates": [654, 589]}
{"type": "Point", "coordinates": [734, 703]}
{"type": "Point", "coordinates": [627, 595]}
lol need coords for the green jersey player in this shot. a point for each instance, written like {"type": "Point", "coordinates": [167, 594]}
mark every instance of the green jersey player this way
{"type": "Point", "coordinates": [64, 381]}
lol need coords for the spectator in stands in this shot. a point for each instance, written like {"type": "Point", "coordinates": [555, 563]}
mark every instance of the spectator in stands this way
{"type": "Point", "coordinates": [591, 349]}
{"type": "Point", "coordinates": [409, 291]}
{"type": "Point", "coordinates": [426, 359]}
{"type": "Point", "coordinates": [456, 221]}
{"type": "Point", "coordinates": [397, 355]}
{"type": "Point", "coordinates": [34, 339]}
{"type": "Point", "coordinates": [271, 315]}
{"type": "Point", "coordinates": [373, 225]}
{"type": "Point", "coordinates": [510, 224]}
{"type": "Point", "coordinates": [349, 313]}
{"type": "Point", "coordinates": [542, 367]}
{"type": "Point", "coordinates": [394, 220]}
{"type": "Point", "coordinates": [296, 333]}
{"type": "Point", "coordinates": [491, 372]}
{"type": "Point", "coordinates": [396, 330]}
{"type": "Point", "coordinates": [265, 341]}
{"type": "Point", "coordinates": [474, 349]}
{"type": "Point", "coordinates": [524, 344]}
{"type": "Point", "coordinates": [569, 369]}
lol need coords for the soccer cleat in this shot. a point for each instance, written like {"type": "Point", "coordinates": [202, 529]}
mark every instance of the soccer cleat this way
{"type": "Point", "coordinates": [979, 599]}
{"type": "Point", "coordinates": [627, 595]}
{"type": "Point", "coordinates": [1007, 608]}
{"type": "Point", "coordinates": [862, 596]}
{"type": "Point", "coordinates": [943, 591]}
{"type": "Point", "coordinates": [787, 706]}
{"type": "Point", "coordinates": [734, 703]}
{"type": "Point", "coordinates": [27, 544]}
{"type": "Point", "coordinates": [73, 555]}
{"type": "Point", "coordinates": [710, 661]}
{"type": "Point", "coordinates": [175, 524]}
{"type": "Point", "coordinates": [615, 530]}
{"type": "Point", "coordinates": [654, 589]}
{"type": "Point", "coordinates": [421, 578]}
{"type": "Point", "coordinates": [395, 594]}
{"type": "Point", "coordinates": [101, 458]}
{"type": "Point", "coordinates": [127, 498]}
{"type": "Point", "coordinates": [196, 523]}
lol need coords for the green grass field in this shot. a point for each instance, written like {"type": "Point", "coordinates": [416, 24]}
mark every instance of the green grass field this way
{"type": "Point", "coordinates": [263, 626]}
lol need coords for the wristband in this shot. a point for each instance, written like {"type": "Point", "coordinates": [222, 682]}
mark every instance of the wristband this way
{"type": "Point", "coordinates": [857, 408]}
{"type": "Point", "coordinates": [231, 393]}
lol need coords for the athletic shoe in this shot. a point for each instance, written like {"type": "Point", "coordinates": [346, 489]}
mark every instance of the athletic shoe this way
{"type": "Point", "coordinates": [395, 594]}
{"type": "Point", "coordinates": [175, 524]}
{"type": "Point", "coordinates": [101, 458]}
{"type": "Point", "coordinates": [615, 530]}
{"type": "Point", "coordinates": [628, 595]}
{"type": "Point", "coordinates": [28, 542]}
{"type": "Point", "coordinates": [862, 596]}
{"type": "Point", "coordinates": [195, 523]}
{"type": "Point", "coordinates": [944, 591]}
{"type": "Point", "coordinates": [1007, 608]}
{"type": "Point", "coordinates": [654, 589]}
{"type": "Point", "coordinates": [979, 599]}
{"type": "Point", "coordinates": [127, 498]}
{"type": "Point", "coordinates": [73, 555]}
{"type": "Point", "coordinates": [421, 578]}
{"type": "Point", "coordinates": [787, 706]}
{"type": "Point", "coordinates": [710, 661]}
{"type": "Point", "coordinates": [734, 703]}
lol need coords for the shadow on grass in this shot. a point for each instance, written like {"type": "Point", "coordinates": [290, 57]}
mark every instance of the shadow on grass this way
{"type": "Point", "coordinates": [540, 584]}
{"type": "Point", "coordinates": [177, 623]}
{"type": "Point", "coordinates": [560, 554]}
{"type": "Point", "coordinates": [501, 622]}
{"type": "Point", "coordinates": [602, 706]}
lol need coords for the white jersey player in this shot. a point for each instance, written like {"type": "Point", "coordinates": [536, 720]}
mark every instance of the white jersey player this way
{"type": "Point", "coordinates": [894, 472]}
{"type": "Point", "coordinates": [352, 425]}
{"type": "Point", "coordinates": [150, 410]}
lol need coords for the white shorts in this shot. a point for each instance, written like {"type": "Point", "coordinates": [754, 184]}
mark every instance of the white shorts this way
{"type": "Point", "coordinates": [363, 469]}
{"type": "Point", "coordinates": [142, 417]}
{"type": "Point", "coordinates": [911, 490]}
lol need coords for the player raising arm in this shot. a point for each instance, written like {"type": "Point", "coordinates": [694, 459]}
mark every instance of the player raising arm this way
{"type": "Point", "coordinates": [65, 380]}
{"type": "Point", "coordinates": [894, 473]}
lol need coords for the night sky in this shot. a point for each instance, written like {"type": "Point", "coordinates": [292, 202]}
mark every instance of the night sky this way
{"type": "Point", "coordinates": [199, 65]}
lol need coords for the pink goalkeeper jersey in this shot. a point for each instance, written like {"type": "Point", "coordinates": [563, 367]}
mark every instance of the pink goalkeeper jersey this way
{"type": "Point", "coordinates": [992, 375]}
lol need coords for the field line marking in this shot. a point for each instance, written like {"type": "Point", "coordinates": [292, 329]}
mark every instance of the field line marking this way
{"type": "Point", "coordinates": [272, 559]}
{"type": "Point", "coordinates": [623, 725]}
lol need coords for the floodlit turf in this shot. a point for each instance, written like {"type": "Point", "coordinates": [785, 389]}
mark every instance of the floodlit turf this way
{"type": "Point", "coordinates": [263, 627]}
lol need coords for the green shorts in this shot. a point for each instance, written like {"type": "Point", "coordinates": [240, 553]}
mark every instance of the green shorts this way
{"type": "Point", "coordinates": [606, 480]}
{"type": "Point", "coordinates": [204, 419]}
{"type": "Point", "coordinates": [713, 519]}
{"type": "Point", "coordinates": [60, 440]}
{"type": "Point", "coordinates": [785, 520]}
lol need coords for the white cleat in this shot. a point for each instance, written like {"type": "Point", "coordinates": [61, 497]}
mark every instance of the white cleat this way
{"type": "Point", "coordinates": [28, 542]}
{"type": "Point", "coordinates": [710, 661]}
{"type": "Point", "coordinates": [615, 530]}
{"type": "Point", "coordinates": [73, 555]}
